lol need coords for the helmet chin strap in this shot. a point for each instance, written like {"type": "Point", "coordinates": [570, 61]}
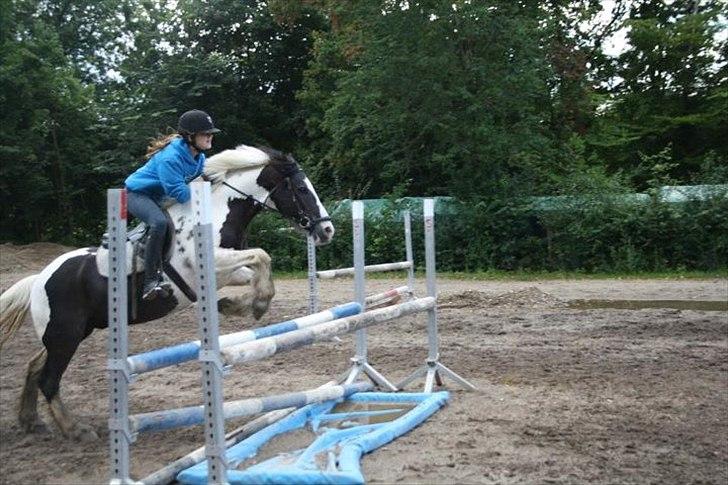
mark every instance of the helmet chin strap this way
{"type": "Point", "coordinates": [191, 141]}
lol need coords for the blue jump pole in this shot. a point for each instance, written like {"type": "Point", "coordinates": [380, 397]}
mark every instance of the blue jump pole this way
{"type": "Point", "coordinates": [176, 354]}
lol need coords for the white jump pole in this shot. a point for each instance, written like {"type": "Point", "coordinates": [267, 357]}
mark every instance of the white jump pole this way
{"type": "Point", "coordinates": [212, 372]}
{"type": "Point", "coordinates": [370, 268]}
{"type": "Point", "coordinates": [360, 360]}
{"type": "Point", "coordinates": [177, 354]}
{"type": "Point", "coordinates": [432, 365]}
{"type": "Point", "coordinates": [120, 438]}
{"type": "Point", "coordinates": [389, 297]}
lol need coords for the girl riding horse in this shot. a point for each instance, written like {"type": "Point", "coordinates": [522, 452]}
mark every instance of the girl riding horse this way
{"type": "Point", "coordinates": [67, 300]}
{"type": "Point", "coordinates": [173, 161]}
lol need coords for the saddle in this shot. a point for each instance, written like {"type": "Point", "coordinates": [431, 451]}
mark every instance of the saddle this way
{"type": "Point", "coordinates": [140, 233]}
{"type": "Point", "coordinates": [138, 237]}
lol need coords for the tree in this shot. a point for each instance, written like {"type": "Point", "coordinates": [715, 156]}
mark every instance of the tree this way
{"type": "Point", "coordinates": [45, 143]}
{"type": "Point", "coordinates": [430, 99]}
{"type": "Point", "coordinates": [672, 91]}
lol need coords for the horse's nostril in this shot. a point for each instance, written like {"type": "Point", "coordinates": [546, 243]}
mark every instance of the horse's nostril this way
{"type": "Point", "coordinates": [329, 230]}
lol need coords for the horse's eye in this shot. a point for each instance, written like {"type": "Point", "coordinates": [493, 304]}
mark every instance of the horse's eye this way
{"type": "Point", "coordinates": [302, 188]}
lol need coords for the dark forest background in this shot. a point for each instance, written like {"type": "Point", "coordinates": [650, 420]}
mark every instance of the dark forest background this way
{"type": "Point", "coordinates": [490, 102]}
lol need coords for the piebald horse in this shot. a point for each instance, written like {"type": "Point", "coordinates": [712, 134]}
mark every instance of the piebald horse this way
{"type": "Point", "coordinates": [67, 299]}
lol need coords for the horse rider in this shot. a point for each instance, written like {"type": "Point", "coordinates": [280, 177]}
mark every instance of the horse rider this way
{"type": "Point", "coordinates": [172, 161]}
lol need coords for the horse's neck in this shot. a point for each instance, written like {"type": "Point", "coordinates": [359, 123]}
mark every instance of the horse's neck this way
{"type": "Point", "coordinates": [234, 231]}
{"type": "Point", "coordinates": [231, 216]}
{"type": "Point", "coordinates": [237, 210]}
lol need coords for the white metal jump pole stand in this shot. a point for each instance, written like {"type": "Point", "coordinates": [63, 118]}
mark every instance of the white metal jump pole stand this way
{"type": "Point", "coordinates": [408, 251]}
{"type": "Point", "coordinates": [208, 325]}
{"type": "Point", "coordinates": [120, 437]}
{"type": "Point", "coordinates": [433, 367]}
{"type": "Point", "coordinates": [360, 363]}
{"type": "Point", "coordinates": [313, 303]}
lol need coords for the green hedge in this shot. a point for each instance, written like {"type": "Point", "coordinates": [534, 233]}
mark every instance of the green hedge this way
{"type": "Point", "coordinates": [591, 235]}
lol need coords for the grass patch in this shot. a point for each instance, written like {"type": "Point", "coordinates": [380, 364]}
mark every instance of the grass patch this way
{"type": "Point", "coordinates": [536, 275]}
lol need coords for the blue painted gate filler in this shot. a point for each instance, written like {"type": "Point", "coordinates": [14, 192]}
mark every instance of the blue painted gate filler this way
{"type": "Point", "coordinates": [345, 431]}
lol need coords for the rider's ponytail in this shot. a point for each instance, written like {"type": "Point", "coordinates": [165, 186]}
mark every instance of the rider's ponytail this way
{"type": "Point", "coordinates": [159, 143]}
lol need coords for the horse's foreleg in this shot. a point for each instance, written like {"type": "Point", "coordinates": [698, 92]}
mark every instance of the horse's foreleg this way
{"type": "Point", "coordinates": [262, 284]}
{"type": "Point", "coordinates": [240, 305]}
{"type": "Point", "coordinates": [231, 262]}
{"type": "Point", "coordinates": [60, 351]}
{"type": "Point", "coordinates": [241, 277]}
{"type": "Point", "coordinates": [28, 408]}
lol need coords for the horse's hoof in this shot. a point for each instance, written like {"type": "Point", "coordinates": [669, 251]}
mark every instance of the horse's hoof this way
{"type": "Point", "coordinates": [35, 426]}
{"type": "Point", "coordinates": [259, 308]}
{"type": "Point", "coordinates": [226, 306]}
{"type": "Point", "coordinates": [84, 433]}
{"type": "Point", "coordinates": [29, 422]}
{"type": "Point", "coordinates": [41, 428]}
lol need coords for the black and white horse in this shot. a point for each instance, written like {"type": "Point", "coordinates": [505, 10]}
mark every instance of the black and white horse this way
{"type": "Point", "coordinates": [67, 299]}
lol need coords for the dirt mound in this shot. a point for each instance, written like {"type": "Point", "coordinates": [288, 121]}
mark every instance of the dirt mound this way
{"type": "Point", "coordinates": [526, 297]}
{"type": "Point", "coordinates": [29, 256]}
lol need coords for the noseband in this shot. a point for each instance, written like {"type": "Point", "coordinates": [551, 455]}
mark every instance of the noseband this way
{"type": "Point", "coordinates": [289, 176]}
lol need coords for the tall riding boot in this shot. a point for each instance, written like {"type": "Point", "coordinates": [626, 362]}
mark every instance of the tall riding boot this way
{"type": "Point", "coordinates": [151, 288]}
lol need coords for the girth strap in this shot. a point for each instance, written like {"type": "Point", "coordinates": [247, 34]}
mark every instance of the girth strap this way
{"type": "Point", "coordinates": [179, 281]}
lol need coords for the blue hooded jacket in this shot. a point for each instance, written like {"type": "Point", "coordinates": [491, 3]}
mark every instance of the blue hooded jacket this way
{"type": "Point", "coordinates": [167, 173]}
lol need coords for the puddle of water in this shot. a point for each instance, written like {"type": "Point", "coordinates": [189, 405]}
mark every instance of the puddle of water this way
{"type": "Point", "coordinates": [380, 413]}
{"type": "Point", "coordinates": [712, 305]}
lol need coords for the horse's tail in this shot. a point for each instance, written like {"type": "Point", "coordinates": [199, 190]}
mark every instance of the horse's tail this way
{"type": "Point", "coordinates": [14, 305]}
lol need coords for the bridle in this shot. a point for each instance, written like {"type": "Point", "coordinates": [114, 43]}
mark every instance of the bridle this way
{"type": "Point", "coordinates": [294, 172]}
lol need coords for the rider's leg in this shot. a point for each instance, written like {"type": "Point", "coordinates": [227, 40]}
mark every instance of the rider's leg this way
{"type": "Point", "coordinates": [144, 208]}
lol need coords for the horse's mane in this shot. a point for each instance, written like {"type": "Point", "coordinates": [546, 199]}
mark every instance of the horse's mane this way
{"type": "Point", "coordinates": [241, 157]}
{"type": "Point", "coordinates": [246, 157]}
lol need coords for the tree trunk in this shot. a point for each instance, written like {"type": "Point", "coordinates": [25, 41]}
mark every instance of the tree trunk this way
{"type": "Point", "coordinates": [62, 194]}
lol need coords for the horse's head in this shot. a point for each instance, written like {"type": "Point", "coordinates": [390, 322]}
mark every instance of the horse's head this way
{"type": "Point", "coordinates": [273, 180]}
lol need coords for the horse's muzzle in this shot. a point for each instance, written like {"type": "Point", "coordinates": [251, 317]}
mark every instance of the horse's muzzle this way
{"type": "Point", "coordinates": [323, 232]}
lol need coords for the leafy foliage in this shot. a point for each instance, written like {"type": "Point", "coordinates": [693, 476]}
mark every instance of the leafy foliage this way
{"type": "Point", "coordinates": [426, 94]}
{"type": "Point", "coordinates": [589, 234]}
{"type": "Point", "coordinates": [45, 141]}
{"type": "Point", "coordinates": [489, 101]}
{"type": "Point", "coordinates": [672, 89]}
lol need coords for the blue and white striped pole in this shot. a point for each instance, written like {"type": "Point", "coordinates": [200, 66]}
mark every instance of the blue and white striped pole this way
{"type": "Point", "coordinates": [193, 415]}
{"type": "Point", "coordinates": [177, 354]}
{"type": "Point", "coordinates": [260, 349]}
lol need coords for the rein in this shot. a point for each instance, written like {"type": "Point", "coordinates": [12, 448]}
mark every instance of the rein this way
{"type": "Point", "coordinates": [256, 203]}
{"type": "Point", "coordinates": [310, 223]}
